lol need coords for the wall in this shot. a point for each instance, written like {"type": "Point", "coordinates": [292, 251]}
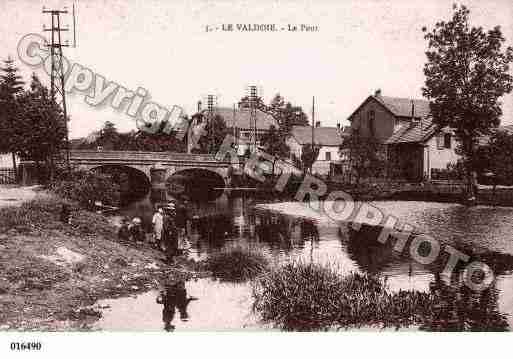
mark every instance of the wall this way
{"type": "Point", "coordinates": [384, 120]}
{"type": "Point", "coordinates": [321, 166]}
{"type": "Point", "coordinates": [295, 147]}
{"type": "Point", "coordinates": [244, 140]}
{"type": "Point", "coordinates": [6, 160]}
{"type": "Point", "coordinates": [438, 158]}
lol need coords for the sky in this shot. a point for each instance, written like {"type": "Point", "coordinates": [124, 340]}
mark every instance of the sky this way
{"type": "Point", "coordinates": [163, 46]}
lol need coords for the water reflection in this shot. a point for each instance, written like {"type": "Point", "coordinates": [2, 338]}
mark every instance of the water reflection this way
{"type": "Point", "coordinates": [174, 297]}
{"type": "Point", "coordinates": [482, 233]}
{"type": "Point", "coordinates": [457, 307]}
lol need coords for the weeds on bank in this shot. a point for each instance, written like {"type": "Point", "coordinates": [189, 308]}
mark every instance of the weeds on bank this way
{"type": "Point", "coordinates": [42, 213]}
{"type": "Point", "coordinates": [236, 264]}
{"type": "Point", "coordinates": [310, 296]}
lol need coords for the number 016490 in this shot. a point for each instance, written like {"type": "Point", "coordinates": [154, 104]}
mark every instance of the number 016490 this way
{"type": "Point", "coordinates": [25, 346]}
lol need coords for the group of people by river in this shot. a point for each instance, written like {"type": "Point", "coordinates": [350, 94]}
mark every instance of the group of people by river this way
{"type": "Point", "coordinates": [168, 230]}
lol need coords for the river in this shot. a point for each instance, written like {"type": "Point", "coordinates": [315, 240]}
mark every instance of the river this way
{"type": "Point", "coordinates": [287, 231]}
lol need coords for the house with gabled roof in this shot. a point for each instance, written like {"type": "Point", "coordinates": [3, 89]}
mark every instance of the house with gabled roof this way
{"type": "Point", "coordinates": [328, 139]}
{"type": "Point", "coordinates": [416, 148]}
{"type": "Point", "coordinates": [238, 122]}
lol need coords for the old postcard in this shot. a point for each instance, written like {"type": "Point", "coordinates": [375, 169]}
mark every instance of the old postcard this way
{"type": "Point", "coordinates": [271, 166]}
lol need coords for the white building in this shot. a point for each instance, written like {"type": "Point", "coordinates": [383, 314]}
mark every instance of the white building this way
{"type": "Point", "coordinates": [416, 148]}
{"type": "Point", "coordinates": [328, 138]}
{"type": "Point", "coordinates": [6, 160]}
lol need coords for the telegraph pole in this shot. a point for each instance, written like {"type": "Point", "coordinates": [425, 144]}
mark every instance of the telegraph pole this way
{"type": "Point", "coordinates": [313, 119]}
{"type": "Point", "coordinates": [57, 71]}
{"type": "Point", "coordinates": [313, 133]}
{"type": "Point", "coordinates": [253, 98]}
{"type": "Point", "coordinates": [211, 99]}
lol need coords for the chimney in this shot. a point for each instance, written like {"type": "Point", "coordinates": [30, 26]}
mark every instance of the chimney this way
{"type": "Point", "coordinates": [199, 106]}
{"type": "Point", "coordinates": [377, 93]}
{"type": "Point", "coordinates": [318, 124]}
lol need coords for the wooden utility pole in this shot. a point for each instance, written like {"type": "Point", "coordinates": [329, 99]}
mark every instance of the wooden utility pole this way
{"type": "Point", "coordinates": [313, 134]}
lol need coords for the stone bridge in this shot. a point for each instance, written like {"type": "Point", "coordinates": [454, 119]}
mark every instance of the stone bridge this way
{"type": "Point", "coordinates": [157, 167]}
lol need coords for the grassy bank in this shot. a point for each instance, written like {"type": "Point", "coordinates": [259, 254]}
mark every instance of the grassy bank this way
{"type": "Point", "coordinates": [300, 296]}
{"type": "Point", "coordinates": [50, 270]}
{"type": "Point", "coordinates": [237, 264]}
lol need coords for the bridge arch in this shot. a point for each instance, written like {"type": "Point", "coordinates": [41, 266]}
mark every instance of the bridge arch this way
{"type": "Point", "coordinates": [134, 182]}
{"type": "Point", "coordinates": [197, 183]}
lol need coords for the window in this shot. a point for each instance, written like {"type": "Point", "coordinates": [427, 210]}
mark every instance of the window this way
{"type": "Point", "coordinates": [328, 156]}
{"type": "Point", "coordinates": [443, 141]}
{"type": "Point", "coordinates": [439, 141]}
{"type": "Point", "coordinates": [447, 140]}
{"type": "Point", "coordinates": [372, 122]}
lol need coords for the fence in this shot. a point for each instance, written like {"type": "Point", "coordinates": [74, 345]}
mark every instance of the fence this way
{"type": "Point", "coordinates": [7, 176]}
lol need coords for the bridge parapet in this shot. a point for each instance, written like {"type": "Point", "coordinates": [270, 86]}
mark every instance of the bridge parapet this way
{"type": "Point", "coordinates": [140, 156]}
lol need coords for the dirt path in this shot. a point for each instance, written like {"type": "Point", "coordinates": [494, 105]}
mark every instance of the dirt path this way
{"type": "Point", "coordinates": [11, 195]}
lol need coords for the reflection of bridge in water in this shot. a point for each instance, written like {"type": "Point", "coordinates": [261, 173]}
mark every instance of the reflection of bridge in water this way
{"type": "Point", "coordinates": [158, 168]}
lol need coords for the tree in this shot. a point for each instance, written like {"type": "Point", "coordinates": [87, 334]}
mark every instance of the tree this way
{"type": "Point", "coordinates": [309, 154]}
{"type": "Point", "coordinates": [286, 114]}
{"type": "Point", "coordinates": [109, 137]}
{"type": "Point", "coordinates": [274, 144]}
{"type": "Point", "coordinates": [214, 133]}
{"type": "Point", "coordinates": [466, 74]}
{"type": "Point", "coordinates": [158, 142]}
{"type": "Point", "coordinates": [39, 129]}
{"type": "Point", "coordinates": [495, 157]}
{"type": "Point", "coordinates": [245, 102]}
{"type": "Point", "coordinates": [365, 156]}
{"type": "Point", "coordinates": [11, 85]}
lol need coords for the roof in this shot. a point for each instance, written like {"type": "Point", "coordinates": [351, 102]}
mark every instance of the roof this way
{"type": "Point", "coordinates": [325, 136]}
{"type": "Point", "coordinates": [242, 116]}
{"type": "Point", "coordinates": [402, 107]}
{"type": "Point", "coordinates": [417, 131]}
{"type": "Point", "coordinates": [398, 106]}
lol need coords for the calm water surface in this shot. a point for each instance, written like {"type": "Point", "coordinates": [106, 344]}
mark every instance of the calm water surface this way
{"type": "Point", "coordinates": [288, 231]}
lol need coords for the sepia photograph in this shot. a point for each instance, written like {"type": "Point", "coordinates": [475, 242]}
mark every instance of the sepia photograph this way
{"type": "Point", "coordinates": [195, 166]}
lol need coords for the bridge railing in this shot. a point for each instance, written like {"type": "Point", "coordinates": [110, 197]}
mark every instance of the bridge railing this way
{"type": "Point", "coordinates": [140, 155]}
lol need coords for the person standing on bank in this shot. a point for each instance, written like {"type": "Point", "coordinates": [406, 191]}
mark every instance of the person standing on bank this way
{"type": "Point", "coordinates": [158, 226]}
{"type": "Point", "coordinates": [136, 231]}
{"type": "Point", "coordinates": [65, 215]}
{"type": "Point", "coordinates": [124, 232]}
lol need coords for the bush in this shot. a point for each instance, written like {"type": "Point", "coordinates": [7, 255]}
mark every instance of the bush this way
{"type": "Point", "coordinates": [42, 213]}
{"type": "Point", "coordinates": [301, 296]}
{"type": "Point", "coordinates": [236, 264]}
{"type": "Point", "coordinates": [30, 214]}
{"type": "Point", "coordinates": [86, 187]}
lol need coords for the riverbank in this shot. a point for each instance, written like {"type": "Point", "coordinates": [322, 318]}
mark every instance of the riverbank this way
{"type": "Point", "coordinates": [436, 191]}
{"type": "Point", "coordinates": [51, 273]}
{"type": "Point", "coordinates": [13, 195]}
